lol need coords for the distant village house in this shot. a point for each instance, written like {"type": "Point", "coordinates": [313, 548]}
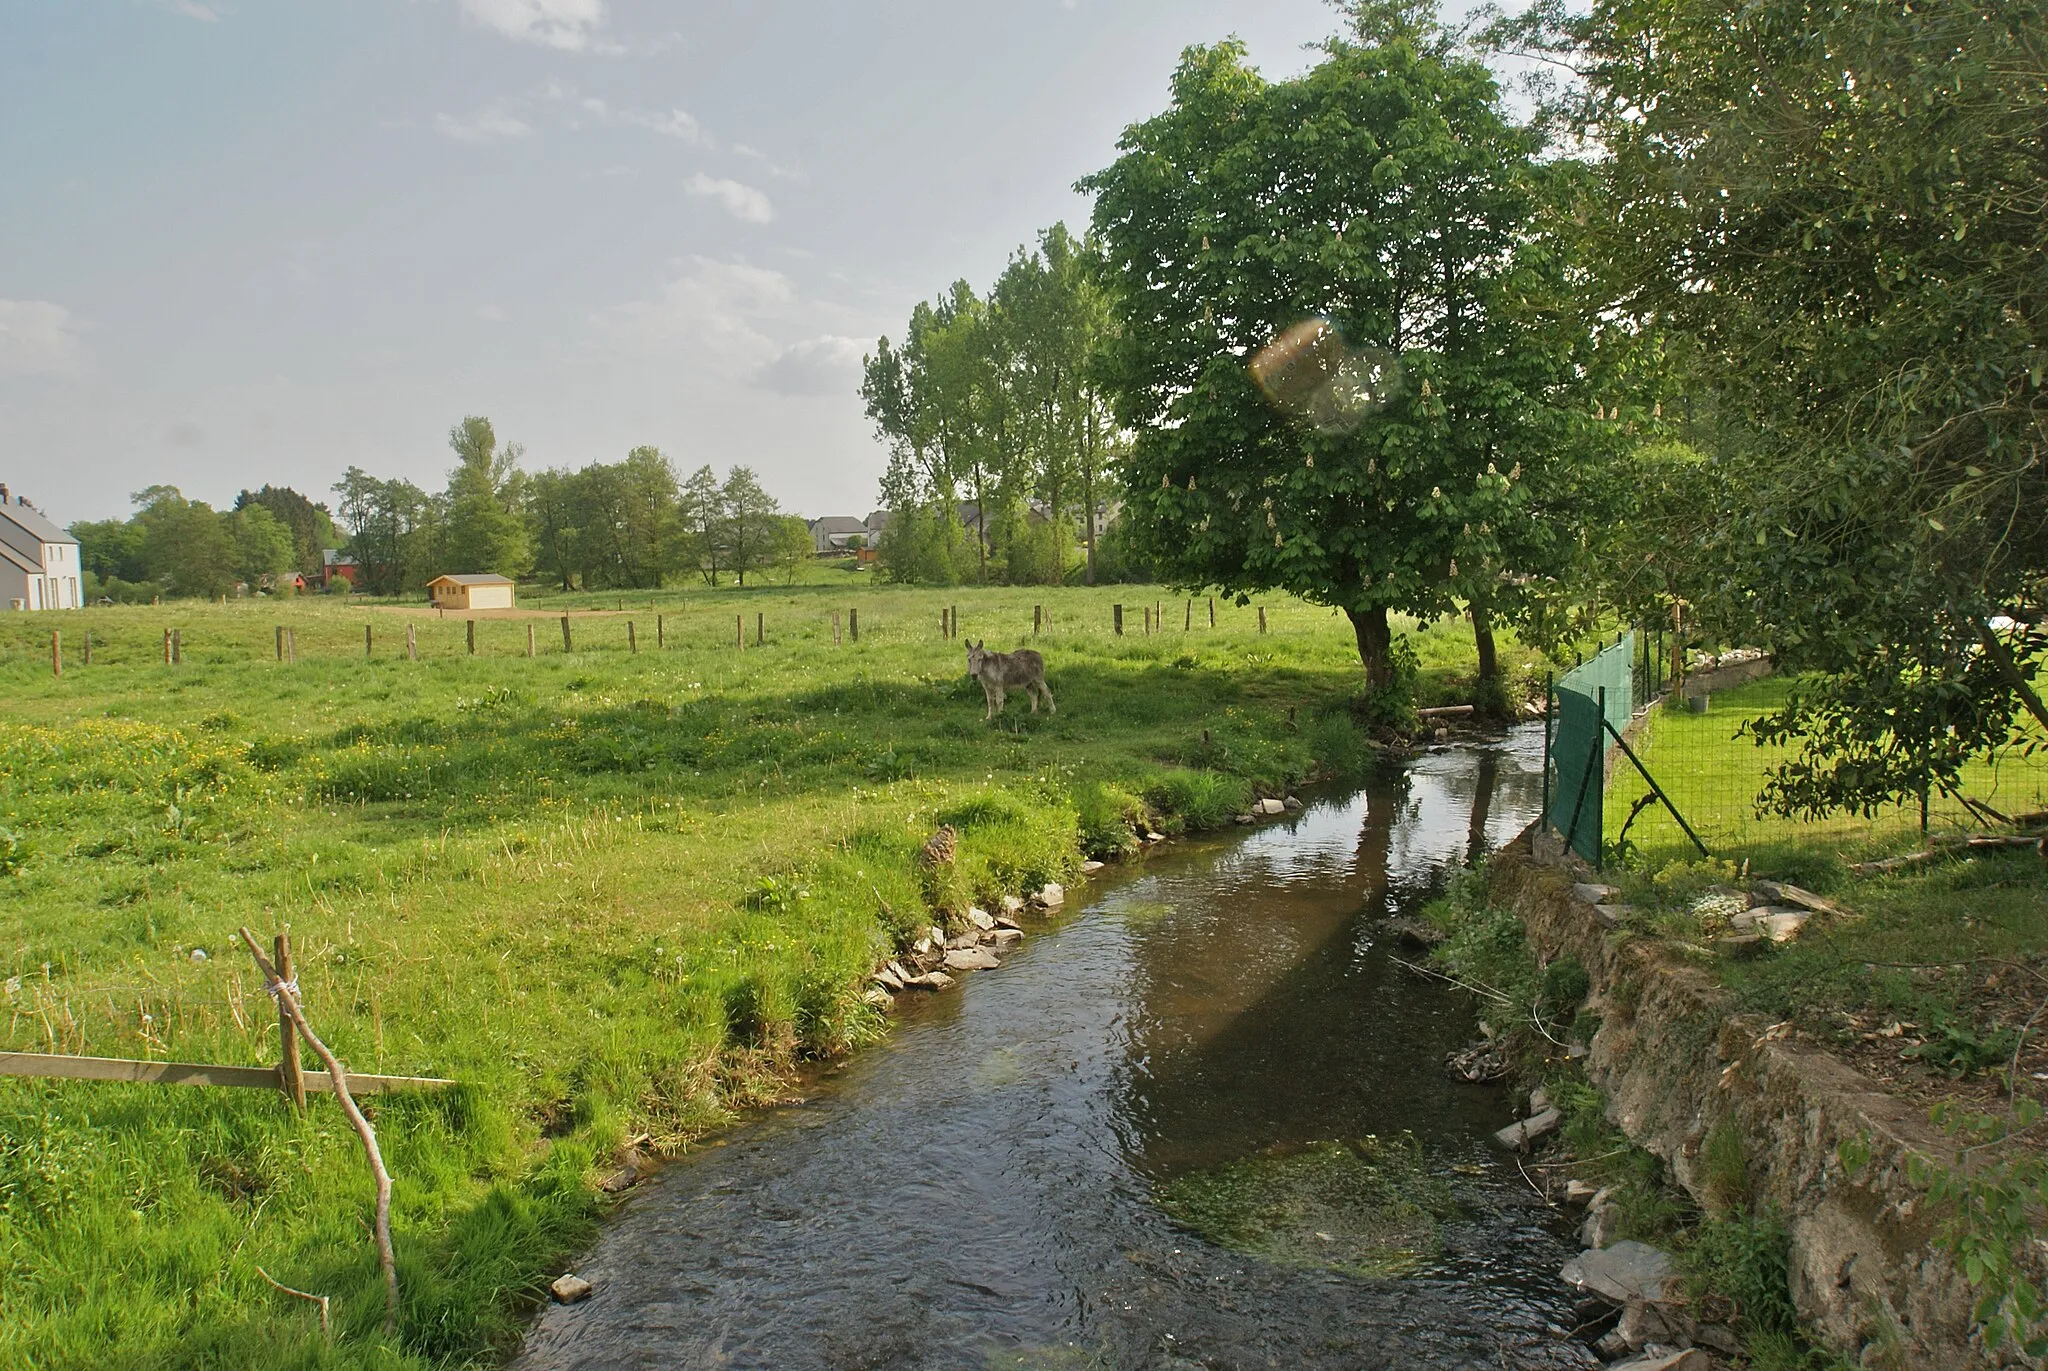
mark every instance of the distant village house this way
{"type": "Point", "coordinates": [470, 592]}
{"type": "Point", "coordinates": [39, 567]}
{"type": "Point", "coordinates": [333, 563]}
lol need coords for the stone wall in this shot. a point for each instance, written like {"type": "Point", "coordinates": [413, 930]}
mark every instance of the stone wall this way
{"type": "Point", "coordinates": [1676, 1061]}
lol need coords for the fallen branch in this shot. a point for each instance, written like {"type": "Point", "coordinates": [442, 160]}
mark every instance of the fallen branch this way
{"type": "Point", "coordinates": [288, 1001]}
{"type": "Point", "coordinates": [1488, 991]}
{"type": "Point", "coordinates": [1976, 842]}
{"type": "Point", "coordinates": [321, 1300]}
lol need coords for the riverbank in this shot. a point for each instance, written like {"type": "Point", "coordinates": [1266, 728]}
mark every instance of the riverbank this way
{"type": "Point", "coordinates": [614, 893]}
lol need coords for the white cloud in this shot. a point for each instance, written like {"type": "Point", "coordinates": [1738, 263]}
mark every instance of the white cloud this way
{"type": "Point", "coordinates": [742, 202]}
{"type": "Point", "coordinates": [570, 25]}
{"type": "Point", "coordinates": [713, 308]}
{"type": "Point", "coordinates": [483, 126]}
{"type": "Point", "coordinates": [676, 123]}
{"type": "Point", "coordinates": [38, 338]}
{"type": "Point", "coordinates": [827, 365]}
{"type": "Point", "coordinates": [774, 167]}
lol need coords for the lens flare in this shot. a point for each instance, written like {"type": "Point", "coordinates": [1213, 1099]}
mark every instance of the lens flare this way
{"type": "Point", "coordinates": [1309, 374]}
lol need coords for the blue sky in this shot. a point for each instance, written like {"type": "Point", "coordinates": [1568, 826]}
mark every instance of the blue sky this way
{"type": "Point", "coordinates": [262, 240]}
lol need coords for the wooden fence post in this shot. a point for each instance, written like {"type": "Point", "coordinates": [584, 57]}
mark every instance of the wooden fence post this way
{"type": "Point", "coordinates": [739, 632]}
{"type": "Point", "coordinates": [1037, 620]}
{"type": "Point", "coordinates": [835, 628]}
{"type": "Point", "coordinates": [290, 1074]}
{"type": "Point", "coordinates": [567, 645]}
{"type": "Point", "coordinates": [177, 647]}
{"type": "Point", "coordinates": [56, 652]}
{"type": "Point", "coordinates": [367, 649]}
{"type": "Point", "coordinates": [1190, 619]}
{"type": "Point", "coordinates": [278, 633]}
{"type": "Point", "coordinates": [660, 631]}
{"type": "Point", "coordinates": [632, 639]}
{"type": "Point", "coordinates": [853, 624]}
{"type": "Point", "coordinates": [953, 622]}
{"type": "Point", "coordinates": [1117, 614]}
{"type": "Point", "coordinates": [167, 647]}
{"type": "Point", "coordinates": [1262, 618]}
{"type": "Point", "coordinates": [760, 630]}
{"type": "Point", "coordinates": [412, 642]}
{"type": "Point", "coordinates": [529, 638]}
{"type": "Point", "coordinates": [471, 627]}
{"type": "Point", "coordinates": [942, 623]}
{"type": "Point", "coordinates": [88, 647]}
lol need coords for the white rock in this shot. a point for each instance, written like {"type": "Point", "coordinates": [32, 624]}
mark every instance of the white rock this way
{"type": "Point", "coordinates": [1594, 894]}
{"type": "Point", "coordinates": [1291, 805]}
{"type": "Point", "coordinates": [971, 959]}
{"type": "Point", "coordinates": [1539, 1100]}
{"type": "Point", "coordinates": [1520, 1134]}
{"type": "Point", "coordinates": [888, 978]}
{"type": "Point", "coordinates": [1691, 1359]}
{"type": "Point", "coordinates": [198, 955]}
{"type": "Point", "coordinates": [1624, 1273]}
{"type": "Point", "coordinates": [569, 1288]}
{"type": "Point", "coordinates": [921, 946]}
{"type": "Point", "coordinates": [930, 980]}
{"type": "Point", "coordinates": [1270, 807]}
{"type": "Point", "coordinates": [1007, 936]}
{"type": "Point", "coordinates": [897, 967]}
{"type": "Point", "coordinates": [878, 997]}
{"type": "Point", "coordinates": [1052, 895]}
{"type": "Point", "coordinates": [1577, 1191]}
{"type": "Point", "coordinates": [1089, 868]}
{"type": "Point", "coordinates": [1014, 904]}
{"type": "Point", "coordinates": [981, 919]}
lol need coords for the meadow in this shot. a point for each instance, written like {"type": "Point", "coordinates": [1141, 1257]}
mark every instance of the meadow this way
{"type": "Point", "coordinates": [617, 895]}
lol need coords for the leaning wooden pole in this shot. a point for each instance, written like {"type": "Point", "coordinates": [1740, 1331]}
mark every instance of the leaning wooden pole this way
{"type": "Point", "coordinates": [288, 1003]}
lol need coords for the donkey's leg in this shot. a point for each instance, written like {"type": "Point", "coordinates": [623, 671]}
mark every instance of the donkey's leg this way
{"type": "Point", "coordinates": [1031, 693]}
{"type": "Point", "coordinates": [1046, 691]}
{"type": "Point", "coordinates": [996, 693]}
{"type": "Point", "coordinates": [988, 699]}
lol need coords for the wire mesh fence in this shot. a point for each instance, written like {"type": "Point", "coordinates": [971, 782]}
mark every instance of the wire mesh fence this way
{"type": "Point", "coordinates": [1673, 773]}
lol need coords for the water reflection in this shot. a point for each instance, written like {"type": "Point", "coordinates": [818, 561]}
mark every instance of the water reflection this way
{"type": "Point", "coordinates": [982, 1190]}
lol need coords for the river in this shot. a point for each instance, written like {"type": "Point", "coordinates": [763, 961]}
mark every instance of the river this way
{"type": "Point", "coordinates": [1201, 1120]}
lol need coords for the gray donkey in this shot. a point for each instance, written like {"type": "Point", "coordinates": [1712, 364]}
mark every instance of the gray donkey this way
{"type": "Point", "coordinates": [1000, 672]}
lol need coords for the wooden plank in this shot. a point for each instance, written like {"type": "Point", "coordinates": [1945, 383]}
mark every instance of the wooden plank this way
{"type": "Point", "coordinates": [64, 1067]}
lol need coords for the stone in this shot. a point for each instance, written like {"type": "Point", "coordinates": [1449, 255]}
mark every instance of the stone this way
{"type": "Point", "coordinates": [888, 978]}
{"type": "Point", "coordinates": [1718, 1337]}
{"type": "Point", "coordinates": [1051, 895]}
{"type": "Point", "coordinates": [1007, 936]}
{"type": "Point", "coordinates": [1663, 1322]}
{"type": "Point", "coordinates": [930, 980]}
{"type": "Point", "coordinates": [1539, 1100]}
{"type": "Point", "coordinates": [1577, 1051]}
{"type": "Point", "coordinates": [1152, 836]}
{"type": "Point", "coordinates": [921, 946]}
{"type": "Point", "coordinates": [1420, 932]}
{"type": "Point", "coordinates": [981, 919]}
{"type": "Point", "coordinates": [1270, 807]}
{"type": "Point", "coordinates": [1518, 1136]}
{"type": "Point", "coordinates": [878, 997]}
{"type": "Point", "coordinates": [1602, 1222]}
{"type": "Point", "coordinates": [971, 959]}
{"type": "Point", "coordinates": [1594, 894]}
{"type": "Point", "coordinates": [1612, 915]}
{"type": "Point", "coordinates": [1089, 868]}
{"type": "Point", "coordinates": [897, 967]}
{"type": "Point", "coordinates": [969, 938]}
{"type": "Point", "coordinates": [1784, 892]}
{"type": "Point", "coordinates": [1245, 819]}
{"type": "Point", "coordinates": [1612, 1346]}
{"type": "Point", "coordinates": [1690, 1359]}
{"type": "Point", "coordinates": [1292, 804]}
{"type": "Point", "coordinates": [1625, 1273]}
{"type": "Point", "coordinates": [1783, 925]}
{"type": "Point", "coordinates": [1577, 1191]}
{"type": "Point", "coordinates": [1741, 944]}
{"type": "Point", "coordinates": [1005, 921]}
{"type": "Point", "coordinates": [1013, 905]}
{"type": "Point", "coordinates": [937, 935]}
{"type": "Point", "coordinates": [570, 1287]}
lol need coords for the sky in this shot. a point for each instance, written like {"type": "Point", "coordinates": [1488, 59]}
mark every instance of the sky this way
{"type": "Point", "coordinates": [249, 241]}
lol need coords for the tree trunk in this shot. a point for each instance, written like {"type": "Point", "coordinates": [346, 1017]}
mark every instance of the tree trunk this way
{"type": "Point", "coordinates": [1375, 644]}
{"type": "Point", "coordinates": [1482, 640]}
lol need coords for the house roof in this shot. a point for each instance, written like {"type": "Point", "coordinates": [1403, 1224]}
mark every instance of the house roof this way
{"type": "Point", "coordinates": [473, 579]}
{"type": "Point", "coordinates": [879, 519]}
{"type": "Point", "coordinates": [9, 555]}
{"type": "Point", "coordinates": [334, 556]}
{"type": "Point", "coordinates": [34, 523]}
{"type": "Point", "coordinates": [838, 523]}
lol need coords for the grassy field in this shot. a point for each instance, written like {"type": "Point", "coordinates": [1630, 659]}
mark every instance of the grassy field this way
{"type": "Point", "coordinates": [611, 893]}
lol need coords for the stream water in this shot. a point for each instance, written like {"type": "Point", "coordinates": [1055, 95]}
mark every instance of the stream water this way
{"type": "Point", "coordinates": [1200, 1121]}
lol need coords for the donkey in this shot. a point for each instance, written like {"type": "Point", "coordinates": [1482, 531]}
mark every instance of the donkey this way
{"type": "Point", "coordinates": [999, 672]}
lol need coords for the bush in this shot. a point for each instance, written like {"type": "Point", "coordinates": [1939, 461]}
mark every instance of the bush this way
{"type": "Point", "coordinates": [1190, 801]}
{"type": "Point", "coordinates": [1107, 813]}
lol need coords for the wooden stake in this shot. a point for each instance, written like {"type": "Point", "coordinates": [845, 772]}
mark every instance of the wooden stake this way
{"type": "Point", "coordinates": [835, 628]}
{"type": "Point", "coordinates": [853, 624]}
{"type": "Point", "coordinates": [56, 652]}
{"type": "Point", "coordinates": [567, 646]}
{"type": "Point", "coordinates": [167, 647]}
{"type": "Point", "coordinates": [88, 647]}
{"type": "Point", "coordinates": [412, 642]}
{"type": "Point", "coordinates": [660, 630]}
{"type": "Point", "coordinates": [177, 647]}
{"type": "Point", "coordinates": [288, 1004]}
{"type": "Point", "coordinates": [953, 622]}
{"type": "Point", "coordinates": [1037, 620]}
{"type": "Point", "coordinates": [529, 639]}
{"type": "Point", "coordinates": [739, 632]}
{"type": "Point", "coordinates": [279, 633]}
{"type": "Point", "coordinates": [472, 637]}
{"type": "Point", "coordinates": [1190, 619]}
{"type": "Point", "coordinates": [1117, 614]}
{"type": "Point", "coordinates": [290, 1075]}
{"type": "Point", "coordinates": [760, 630]}
{"type": "Point", "coordinates": [368, 647]}
{"type": "Point", "coordinates": [943, 631]}
{"type": "Point", "coordinates": [1212, 611]}
{"type": "Point", "coordinates": [1262, 618]}
{"type": "Point", "coordinates": [632, 640]}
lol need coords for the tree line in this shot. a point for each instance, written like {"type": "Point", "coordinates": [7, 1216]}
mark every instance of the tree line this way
{"type": "Point", "coordinates": [997, 403]}
{"type": "Point", "coordinates": [633, 524]}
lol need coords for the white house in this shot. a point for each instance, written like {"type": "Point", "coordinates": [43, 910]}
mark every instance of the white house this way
{"type": "Point", "coordinates": [835, 531]}
{"type": "Point", "coordinates": [38, 561]}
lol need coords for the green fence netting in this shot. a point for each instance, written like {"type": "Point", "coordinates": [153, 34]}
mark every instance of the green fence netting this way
{"type": "Point", "coordinates": [1577, 748]}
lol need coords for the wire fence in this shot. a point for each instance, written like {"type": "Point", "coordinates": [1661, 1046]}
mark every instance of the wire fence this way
{"type": "Point", "coordinates": [1667, 771]}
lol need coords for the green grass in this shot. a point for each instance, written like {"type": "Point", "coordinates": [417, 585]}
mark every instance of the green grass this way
{"type": "Point", "coordinates": [1713, 777]}
{"type": "Point", "coordinates": [608, 893]}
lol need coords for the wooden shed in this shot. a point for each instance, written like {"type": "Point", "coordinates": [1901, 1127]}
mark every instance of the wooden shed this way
{"type": "Point", "coordinates": [470, 592]}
